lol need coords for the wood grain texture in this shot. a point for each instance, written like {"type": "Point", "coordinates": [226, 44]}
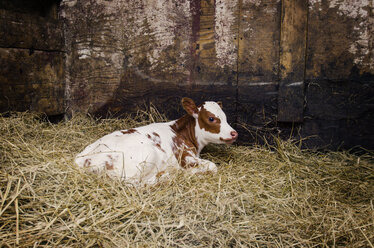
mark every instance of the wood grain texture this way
{"type": "Point", "coordinates": [32, 67]}
{"type": "Point", "coordinates": [259, 41]}
{"type": "Point", "coordinates": [293, 35]}
{"type": "Point", "coordinates": [126, 55]}
{"type": "Point", "coordinates": [258, 65]}
{"type": "Point", "coordinates": [339, 40]}
{"type": "Point", "coordinates": [339, 74]}
{"type": "Point", "coordinates": [31, 81]}
{"type": "Point", "coordinates": [19, 30]}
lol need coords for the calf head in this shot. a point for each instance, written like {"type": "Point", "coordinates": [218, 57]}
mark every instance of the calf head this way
{"type": "Point", "coordinates": [211, 122]}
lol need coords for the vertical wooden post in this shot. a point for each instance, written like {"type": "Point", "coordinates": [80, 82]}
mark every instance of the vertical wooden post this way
{"type": "Point", "coordinates": [293, 40]}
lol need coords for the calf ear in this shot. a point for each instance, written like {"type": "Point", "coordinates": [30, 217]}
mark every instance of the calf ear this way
{"type": "Point", "coordinates": [220, 104]}
{"type": "Point", "coordinates": [189, 105]}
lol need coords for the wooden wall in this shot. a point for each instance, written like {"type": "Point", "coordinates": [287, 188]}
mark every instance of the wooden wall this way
{"type": "Point", "coordinates": [124, 55]}
{"type": "Point", "coordinates": [279, 66]}
{"type": "Point", "coordinates": [32, 71]}
{"type": "Point", "coordinates": [339, 73]}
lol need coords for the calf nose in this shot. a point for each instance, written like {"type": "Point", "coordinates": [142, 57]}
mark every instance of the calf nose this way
{"type": "Point", "coordinates": [234, 134]}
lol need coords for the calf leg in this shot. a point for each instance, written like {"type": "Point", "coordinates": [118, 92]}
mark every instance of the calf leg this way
{"type": "Point", "coordinates": [198, 165]}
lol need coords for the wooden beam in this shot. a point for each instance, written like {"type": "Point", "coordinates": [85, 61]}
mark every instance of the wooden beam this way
{"type": "Point", "coordinates": [292, 60]}
{"type": "Point", "coordinates": [25, 31]}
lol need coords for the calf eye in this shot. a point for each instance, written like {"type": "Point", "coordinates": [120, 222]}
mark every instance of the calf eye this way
{"type": "Point", "coordinates": [211, 119]}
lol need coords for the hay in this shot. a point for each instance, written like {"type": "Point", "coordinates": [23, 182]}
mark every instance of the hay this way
{"type": "Point", "coordinates": [262, 196]}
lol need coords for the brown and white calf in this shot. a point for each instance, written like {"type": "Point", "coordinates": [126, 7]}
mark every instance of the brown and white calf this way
{"type": "Point", "coordinates": [142, 155]}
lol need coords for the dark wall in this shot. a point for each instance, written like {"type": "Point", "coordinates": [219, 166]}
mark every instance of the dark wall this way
{"type": "Point", "coordinates": [42, 8]}
{"type": "Point", "coordinates": [32, 65]}
{"type": "Point", "coordinates": [339, 75]}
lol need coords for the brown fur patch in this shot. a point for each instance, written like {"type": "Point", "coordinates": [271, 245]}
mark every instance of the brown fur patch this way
{"type": "Point", "coordinates": [129, 131]}
{"type": "Point", "coordinates": [87, 163]}
{"type": "Point", "coordinates": [108, 166]}
{"type": "Point", "coordinates": [182, 151]}
{"type": "Point", "coordinates": [189, 105]}
{"type": "Point", "coordinates": [184, 163]}
{"type": "Point", "coordinates": [184, 129]}
{"type": "Point", "coordinates": [159, 174]}
{"type": "Point", "coordinates": [156, 140]}
{"type": "Point", "coordinates": [159, 147]}
{"type": "Point", "coordinates": [185, 141]}
{"type": "Point", "coordinates": [204, 123]}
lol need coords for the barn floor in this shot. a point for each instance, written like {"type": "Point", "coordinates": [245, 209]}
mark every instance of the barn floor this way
{"type": "Point", "coordinates": [262, 196]}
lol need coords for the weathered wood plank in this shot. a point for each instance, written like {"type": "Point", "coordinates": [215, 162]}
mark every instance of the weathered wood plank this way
{"type": "Point", "coordinates": [203, 73]}
{"type": "Point", "coordinates": [213, 63]}
{"type": "Point", "coordinates": [32, 81]}
{"type": "Point", "coordinates": [95, 54]}
{"type": "Point", "coordinates": [36, 8]}
{"type": "Point", "coordinates": [258, 63]}
{"type": "Point", "coordinates": [339, 74]}
{"type": "Point", "coordinates": [292, 60]}
{"type": "Point", "coordinates": [30, 32]}
{"type": "Point", "coordinates": [340, 40]}
{"type": "Point", "coordinates": [124, 54]}
{"type": "Point", "coordinates": [259, 41]}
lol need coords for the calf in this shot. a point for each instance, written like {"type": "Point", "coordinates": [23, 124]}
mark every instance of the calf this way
{"type": "Point", "coordinates": [142, 155]}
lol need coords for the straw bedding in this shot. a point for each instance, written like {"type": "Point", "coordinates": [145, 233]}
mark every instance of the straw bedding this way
{"type": "Point", "coordinates": [262, 196]}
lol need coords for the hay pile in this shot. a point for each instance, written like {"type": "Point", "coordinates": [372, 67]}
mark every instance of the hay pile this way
{"type": "Point", "coordinates": [261, 196]}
